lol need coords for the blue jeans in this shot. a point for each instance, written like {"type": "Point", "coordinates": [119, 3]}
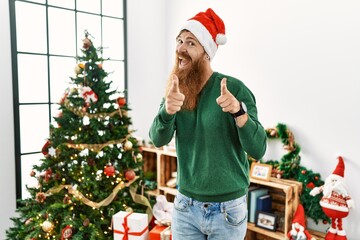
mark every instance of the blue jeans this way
{"type": "Point", "coordinates": [194, 220]}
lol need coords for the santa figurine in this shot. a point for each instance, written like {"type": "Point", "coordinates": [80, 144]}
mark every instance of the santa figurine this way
{"type": "Point", "coordinates": [335, 202]}
{"type": "Point", "coordinates": [298, 227]}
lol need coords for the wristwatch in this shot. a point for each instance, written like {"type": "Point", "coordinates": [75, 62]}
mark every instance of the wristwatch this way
{"type": "Point", "coordinates": [242, 111]}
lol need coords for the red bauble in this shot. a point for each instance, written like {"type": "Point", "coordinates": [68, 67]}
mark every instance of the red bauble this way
{"type": "Point", "coordinates": [303, 171]}
{"type": "Point", "coordinates": [66, 233]}
{"type": "Point", "coordinates": [310, 185]}
{"type": "Point", "coordinates": [109, 170]}
{"type": "Point", "coordinates": [130, 175]}
{"type": "Point", "coordinates": [121, 101]}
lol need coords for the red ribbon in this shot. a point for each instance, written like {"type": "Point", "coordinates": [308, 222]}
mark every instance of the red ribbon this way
{"type": "Point", "coordinates": [126, 230]}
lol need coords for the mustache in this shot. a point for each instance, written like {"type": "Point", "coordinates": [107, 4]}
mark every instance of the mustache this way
{"type": "Point", "coordinates": [183, 55]}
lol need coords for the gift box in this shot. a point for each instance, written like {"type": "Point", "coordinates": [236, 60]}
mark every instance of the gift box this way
{"type": "Point", "coordinates": [130, 226]}
{"type": "Point", "coordinates": [160, 233]}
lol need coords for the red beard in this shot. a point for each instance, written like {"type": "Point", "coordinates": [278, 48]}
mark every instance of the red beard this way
{"type": "Point", "coordinates": [191, 80]}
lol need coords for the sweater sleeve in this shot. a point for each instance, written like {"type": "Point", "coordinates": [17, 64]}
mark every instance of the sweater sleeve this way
{"type": "Point", "coordinates": [252, 135]}
{"type": "Point", "coordinates": [162, 128]}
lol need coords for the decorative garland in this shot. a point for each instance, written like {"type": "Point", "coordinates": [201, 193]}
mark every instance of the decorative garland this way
{"type": "Point", "coordinates": [85, 200]}
{"type": "Point", "coordinates": [79, 112]}
{"type": "Point", "coordinates": [289, 168]}
{"type": "Point", "coordinates": [94, 147]}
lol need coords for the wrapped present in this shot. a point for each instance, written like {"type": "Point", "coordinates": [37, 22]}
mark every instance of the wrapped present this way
{"type": "Point", "coordinates": [160, 232]}
{"type": "Point", "coordinates": [130, 226]}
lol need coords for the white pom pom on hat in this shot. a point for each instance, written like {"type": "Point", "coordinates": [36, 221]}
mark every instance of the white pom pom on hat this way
{"type": "Point", "coordinates": [209, 29]}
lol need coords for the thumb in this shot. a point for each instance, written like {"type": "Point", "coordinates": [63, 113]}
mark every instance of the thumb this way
{"type": "Point", "coordinates": [223, 87]}
{"type": "Point", "coordinates": [175, 84]}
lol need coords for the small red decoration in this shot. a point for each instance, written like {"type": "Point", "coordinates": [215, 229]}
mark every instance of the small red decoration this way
{"type": "Point", "coordinates": [86, 222]}
{"type": "Point", "coordinates": [130, 175]}
{"type": "Point", "coordinates": [40, 197]}
{"type": "Point", "coordinates": [109, 170]}
{"type": "Point", "coordinates": [48, 175]}
{"type": "Point", "coordinates": [66, 233]}
{"type": "Point", "coordinates": [32, 173]}
{"type": "Point", "coordinates": [45, 148]}
{"type": "Point", "coordinates": [121, 101]}
{"type": "Point", "coordinates": [310, 185]}
{"type": "Point", "coordinates": [316, 178]}
{"type": "Point", "coordinates": [303, 171]}
{"type": "Point", "coordinates": [86, 43]}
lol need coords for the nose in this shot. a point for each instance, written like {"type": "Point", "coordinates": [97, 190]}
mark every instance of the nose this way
{"type": "Point", "coordinates": [181, 48]}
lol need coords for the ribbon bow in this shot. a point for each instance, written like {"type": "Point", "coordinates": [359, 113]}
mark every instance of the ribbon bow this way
{"type": "Point", "coordinates": [126, 230]}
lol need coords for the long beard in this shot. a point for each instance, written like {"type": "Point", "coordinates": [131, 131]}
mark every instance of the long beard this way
{"type": "Point", "coordinates": [337, 186]}
{"type": "Point", "coordinates": [191, 81]}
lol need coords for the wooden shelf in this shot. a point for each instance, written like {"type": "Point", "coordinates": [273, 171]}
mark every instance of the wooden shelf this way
{"type": "Point", "coordinates": [273, 235]}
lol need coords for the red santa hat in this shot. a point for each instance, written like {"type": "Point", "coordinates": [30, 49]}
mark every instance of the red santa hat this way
{"type": "Point", "coordinates": [299, 216]}
{"type": "Point", "coordinates": [338, 173]}
{"type": "Point", "coordinates": [209, 29]}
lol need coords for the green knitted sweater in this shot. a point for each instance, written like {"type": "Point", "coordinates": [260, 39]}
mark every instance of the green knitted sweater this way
{"type": "Point", "coordinates": [211, 149]}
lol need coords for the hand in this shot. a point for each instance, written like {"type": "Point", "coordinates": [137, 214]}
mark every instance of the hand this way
{"type": "Point", "coordinates": [174, 98]}
{"type": "Point", "coordinates": [226, 100]}
{"type": "Point", "coordinates": [315, 191]}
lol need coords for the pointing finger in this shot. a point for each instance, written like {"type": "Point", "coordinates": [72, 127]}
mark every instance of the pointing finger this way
{"type": "Point", "coordinates": [175, 84]}
{"type": "Point", "coordinates": [223, 87]}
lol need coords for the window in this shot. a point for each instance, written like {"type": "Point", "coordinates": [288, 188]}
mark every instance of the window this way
{"type": "Point", "coordinates": [46, 38]}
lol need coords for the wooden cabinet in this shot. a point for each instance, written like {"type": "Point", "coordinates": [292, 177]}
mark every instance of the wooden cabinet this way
{"type": "Point", "coordinates": [286, 192]}
{"type": "Point", "coordinates": [286, 198]}
{"type": "Point", "coordinates": [165, 164]}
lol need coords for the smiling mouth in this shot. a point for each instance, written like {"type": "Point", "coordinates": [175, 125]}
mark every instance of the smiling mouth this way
{"type": "Point", "coordinates": [183, 62]}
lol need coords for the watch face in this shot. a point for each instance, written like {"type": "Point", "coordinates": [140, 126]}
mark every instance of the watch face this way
{"type": "Point", "coordinates": [243, 106]}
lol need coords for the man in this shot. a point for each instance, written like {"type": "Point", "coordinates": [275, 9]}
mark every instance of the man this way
{"type": "Point", "coordinates": [214, 119]}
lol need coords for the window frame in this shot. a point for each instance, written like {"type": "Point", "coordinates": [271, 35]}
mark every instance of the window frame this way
{"type": "Point", "coordinates": [15, 74]}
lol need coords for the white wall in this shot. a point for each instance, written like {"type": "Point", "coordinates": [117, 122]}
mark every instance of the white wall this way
{"type": "Point", "coordinates": [7, 162]}
{"type": "Point", "coordinates": [300, 58]}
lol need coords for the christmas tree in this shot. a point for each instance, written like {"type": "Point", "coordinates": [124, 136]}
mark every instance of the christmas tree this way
{"type": "Point", "coordinates": [92, 163]}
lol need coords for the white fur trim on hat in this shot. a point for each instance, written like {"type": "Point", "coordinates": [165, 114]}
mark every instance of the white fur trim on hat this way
{"type": "Point", "coordinates": [202, 35]}
{"type": "Point", "coordinates": [336, 177]}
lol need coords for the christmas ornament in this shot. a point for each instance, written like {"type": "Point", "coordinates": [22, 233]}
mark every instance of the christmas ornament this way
{"type": "Point", "coordinates": [47, 226]}
{"type": "Point", "coordinates": [47, 175]}
{"type": "Point", "coordinates": [28, 221]}
{"type": "Point", "coordinates": [298, 226]}
{"type": "Point", "coordinates": [130, 175]}
{"type": "Point", "coordinates": [86, 43]}
{"type": "Point", "coordinates": [66, 199]}
{"type": "Point", "coordinates": [86, 222]}
{"type": "Point", "coordinates": [89, 95]}
{"type": "Point", "coordinates": [128, 145]}
{"type": "Point", "coordinates": [32, 173]}
{"type": "Point", "coordinates": [335, 202]}
{"type": "Point", "coordinates": [45, 148]}
{"type": "Point", "coordinates": [121, 101]}
{"type": "Point", "coordinates": [310, 185]}
{"type": "Point", "coordinates": [66, 233]}
{"type": "Point", "coordinates": [109, 170]}
{"type": "Point", "coordinates": [139, 157]}
{"type": "Point", "coordinates": [40, 197]}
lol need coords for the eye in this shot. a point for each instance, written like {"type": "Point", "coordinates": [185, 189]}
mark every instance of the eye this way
{"type": "Point", "coordinates": [179, 41]}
